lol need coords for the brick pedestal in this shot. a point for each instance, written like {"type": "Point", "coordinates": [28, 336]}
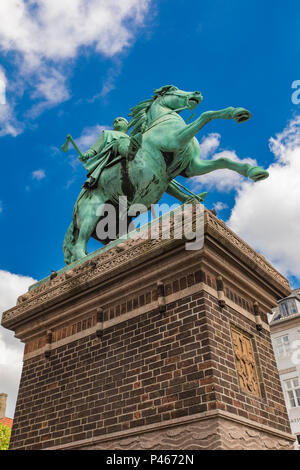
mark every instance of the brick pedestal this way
{"type": "Point", "coordinates": [150, 346]}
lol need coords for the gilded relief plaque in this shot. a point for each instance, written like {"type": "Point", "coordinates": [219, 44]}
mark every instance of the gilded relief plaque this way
{"type": "Point", "coordinates": [245, 362]}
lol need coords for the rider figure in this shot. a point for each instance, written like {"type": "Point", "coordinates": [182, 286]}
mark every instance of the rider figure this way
{"type": "Point", "coordinates": [111, 146]}
{"type": "Point", "coordinates": [114, 146]}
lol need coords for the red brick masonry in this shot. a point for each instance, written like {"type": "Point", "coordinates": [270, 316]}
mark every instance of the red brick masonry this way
{"type": "Point", "coordinates": [146, 370]}
{"type": "Point", "coordinates": [150, 372]}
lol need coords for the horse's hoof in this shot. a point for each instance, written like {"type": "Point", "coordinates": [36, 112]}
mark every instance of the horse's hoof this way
{"type": "Point", "coordinates": [256, 173]}
{"type": "Point", "coordinates": [241, 115]}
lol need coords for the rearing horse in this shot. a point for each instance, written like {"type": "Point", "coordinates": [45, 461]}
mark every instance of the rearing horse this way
{"type": "Point", "coordinates": [168, 148]}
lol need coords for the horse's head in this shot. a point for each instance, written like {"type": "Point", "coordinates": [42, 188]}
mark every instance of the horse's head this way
{"type": "Point", "coordinates": [171, 97]}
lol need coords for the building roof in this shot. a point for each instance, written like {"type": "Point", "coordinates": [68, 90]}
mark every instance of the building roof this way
{"type": "Point", "coordinates": [7, 422]}
{"type": "Point", "coordinates": [294, 294]}
{"type": "Point", "coordinates": [278, 317]}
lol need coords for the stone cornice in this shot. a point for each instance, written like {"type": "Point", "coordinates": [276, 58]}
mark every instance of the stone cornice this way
{"type": "Point", "coordinates": [126, 255]}
{"type": "Point", "coordinates": [140, 311]}
{"type": "Point", "coordinates": [85, 276]}
{"type": "Point", "coordinates": [254, 260]}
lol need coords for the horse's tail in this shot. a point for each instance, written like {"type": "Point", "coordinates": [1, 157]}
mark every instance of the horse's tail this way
{"type": "Point", "coordinates": [69, 241]}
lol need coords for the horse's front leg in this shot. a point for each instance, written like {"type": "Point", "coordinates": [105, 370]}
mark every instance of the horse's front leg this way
{"type": "Point", "coordinates": [188, 132]}
{"type": "Point", "coordinates": [199, 167]}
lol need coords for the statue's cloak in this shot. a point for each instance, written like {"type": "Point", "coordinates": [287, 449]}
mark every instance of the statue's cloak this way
{"type": "Point", "coordinates": [106, 155]}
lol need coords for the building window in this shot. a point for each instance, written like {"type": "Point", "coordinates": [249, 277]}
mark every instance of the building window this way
{"type": "Point", "coordinates": [292, 388]}
{"type": "Point", "coordinates": [282, 346]}
{"type": "Point", "coordinates": [298, 439]}
{"type": "Point", "coordinates": [288, 307]}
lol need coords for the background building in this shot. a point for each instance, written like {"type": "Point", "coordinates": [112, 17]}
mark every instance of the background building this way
{"type": "Point", "coordinates": [285, 334]}
{"type": "Point", "coordinates": [3, 419]}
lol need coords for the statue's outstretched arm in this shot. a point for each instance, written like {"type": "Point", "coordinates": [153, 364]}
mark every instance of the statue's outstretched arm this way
{"type": "Point", "coordinates": [95, 148]}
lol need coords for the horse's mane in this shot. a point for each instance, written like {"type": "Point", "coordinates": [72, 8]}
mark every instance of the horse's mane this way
{"type": "Point", "coordinates": [139, 116]}
{"type": "Point", "coordinates": [139, 112]}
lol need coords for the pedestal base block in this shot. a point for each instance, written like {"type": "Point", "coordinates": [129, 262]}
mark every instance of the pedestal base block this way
{"type": "Point", "coordinates": [152, 346]}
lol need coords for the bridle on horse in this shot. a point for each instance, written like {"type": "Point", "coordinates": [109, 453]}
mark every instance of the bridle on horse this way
{"type": "Point", "coordinates": [187, 106]}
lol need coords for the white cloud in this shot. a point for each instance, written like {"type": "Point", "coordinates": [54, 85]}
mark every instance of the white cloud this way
{"type": "Point", "coordinates": [209, 144]}
{"type": "Point", "coordinates": [38, 175]}
{"type": "Point", "coordinates": [46, 35]}
{"type": "Point", "coordinates": [8, 123]}
{"type": "Point", "coordinates": [220, 206]}
{"type": "Point", "coordinates": [56, 30]}
{"type": "Point", "coordinates": [1, 210]}
{"type": "Point", "coordinates": [3, 84]}
{"type": "Point", "coordinates": [51, 89]}
{"type": "Point", "coordinates": [11, 349]}
{"type": "Point", "coordinates": [267, 214]}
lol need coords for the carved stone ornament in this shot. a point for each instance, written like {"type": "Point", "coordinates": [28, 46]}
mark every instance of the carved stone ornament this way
{"type": "Point", "coordinates": [134, 250]}
{"type": "Point", "coordinates": [245, 363]}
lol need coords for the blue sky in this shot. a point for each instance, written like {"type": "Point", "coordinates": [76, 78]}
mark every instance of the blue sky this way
{"type": "Point", "coordinates": [237, 53]}
{"type": "Point", "coordinates": [66, 76]}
